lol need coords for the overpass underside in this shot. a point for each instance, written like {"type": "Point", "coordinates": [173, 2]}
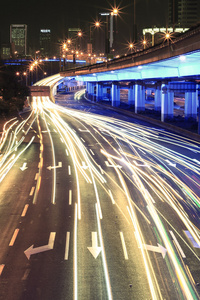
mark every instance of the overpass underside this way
{"type": "Point", "coordinates": [166, 70]}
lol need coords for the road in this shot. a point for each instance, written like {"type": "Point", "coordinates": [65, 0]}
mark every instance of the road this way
{"type": "Point", "coordinates": [96, 205]}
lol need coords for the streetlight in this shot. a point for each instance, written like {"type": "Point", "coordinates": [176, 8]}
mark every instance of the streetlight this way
{"type": "Point", "coordinates": [167, 37]}
{"type": "Point", "coordinates": [97, 24]}
{"type": "Point", "coordinates": [144, 42]}
{"type": "Point", "coordinates": [131, 47]}
{"type": "Point", "coordinates": [109, 21]}
{"type": "Point", "coordinates": [113, 13]}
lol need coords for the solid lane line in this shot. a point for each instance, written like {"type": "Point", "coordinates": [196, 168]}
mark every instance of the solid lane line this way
{"type": "Point", "coordinates": [67, 246]}
{"type": "Point", "coordinates": [12, 241]}
{"type": "Point", "coordinates": [25, 210]}
{"type": "Point", "coordinates": [123, 245]}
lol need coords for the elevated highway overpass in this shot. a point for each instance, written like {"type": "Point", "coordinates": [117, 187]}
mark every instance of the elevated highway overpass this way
{"type": "Point", "coordinates": [168, 68]}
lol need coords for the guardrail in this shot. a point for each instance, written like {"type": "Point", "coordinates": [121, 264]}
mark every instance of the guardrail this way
{"type": "Point", "coordinates": [187, 42]}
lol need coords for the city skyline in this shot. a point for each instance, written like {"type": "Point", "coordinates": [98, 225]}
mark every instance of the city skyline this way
{"type": "Point", "coordinates": [78, 14]}
{"type": "Point", "coordinates": [60, 18]}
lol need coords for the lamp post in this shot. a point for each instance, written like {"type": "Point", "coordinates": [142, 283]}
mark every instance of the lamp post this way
{"type": "Point", "coordinates": [109, 39]}
{"type": "Point", "coordinates": [89, 46]}
{"type": "Point", "coordinates": [131, 47]}
{"type": "Point", "coordinates": [134, 24]}
{"type": "Point", "coordinates": [144, 42]}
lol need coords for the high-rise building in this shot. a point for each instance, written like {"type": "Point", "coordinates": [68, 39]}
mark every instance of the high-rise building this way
{"type": "Point", "coordinates": [45, 42]}
{"type": "Point", "coordinates": [183, 13]}
{"type": "Point", "coordinates": [73, 33]}
{"type": "Point", "coordinates": [18, 38]}
{"type": "Point", "coordinates": [5, 51]}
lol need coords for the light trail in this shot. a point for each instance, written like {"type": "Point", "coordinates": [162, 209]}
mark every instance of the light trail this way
{"type": "Point", "coordinates": [151, 161]}
{"type": "Point", "coordinates": [135, 137]}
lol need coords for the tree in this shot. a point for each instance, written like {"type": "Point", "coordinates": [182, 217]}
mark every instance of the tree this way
{"type": "Point", "coordinates": [13, 94]}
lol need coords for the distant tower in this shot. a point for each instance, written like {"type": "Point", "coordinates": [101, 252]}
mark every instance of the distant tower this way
{"type": "Point", "coordinates": [45, 42]}
{"type": "Point", "coordinates": [183, 13]}
{"type": "Point", "coordinates": [18, 38]}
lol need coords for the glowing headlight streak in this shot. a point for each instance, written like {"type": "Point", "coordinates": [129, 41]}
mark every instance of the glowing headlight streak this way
{"type": "Point", "coordinates": [145, 256]}
{"type": "Point", "coordinates": [21, 125]}
{"type": "Point", "coordinates": [197, 257]}
{"type": "Point", "coordinates": [184, 282]}
{"type": "Point", "coordinates": [75, 286]}
{"type": "Point", "coordinates": [6, 168]}
{"type": "Point", "coordinates": [77, 182]}
{"type": "Point", "coordinates": [6, 131]}
{"type": "Point", "coordinates": [141, 188]}
{"type": "Point", "coordinates": [138, 137]}
{"type": "Point", "coordinates": [39, 177]}
{"type": "Point", "coordinates": [53, 194]}
{"type": "Point", "coordinates": [76, 162]}
{"type": "Point", "coordinates": [105, 267]}
{"type": "Point", "coordinates": [9, 151]}
{"type": "Point", "coordinates": [13, 160]}
{"type": "Point", "coordinates": [140, 239]}
{"type": "Point", "coordinates": [168, 192]}
{"type": "Point", "coordinates": [67, 138]}
{"type": "Point", "coordinates": [26, 132]}
{"type": "Point", "coordinates": [78, 95]}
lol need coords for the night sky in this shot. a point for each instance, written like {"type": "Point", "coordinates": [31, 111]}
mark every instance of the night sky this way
{"type": "Point", "coordinates": [59, 15]}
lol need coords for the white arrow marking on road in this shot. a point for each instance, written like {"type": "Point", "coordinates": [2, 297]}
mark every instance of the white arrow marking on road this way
{"type": "Point", "coordinates": [95, 250]}
{"type": "Point", "coordinates": [84, 166]}
{"type": "Point", "coordinates": [55, 167]}
{"type": "Point", "coordinates": [30, 251]}
{"type": "Point", "coordinates": [109, 165]}
{"type": "Point", "coordinates": [159, 249]}
{"type": "Point", "coordinates": [24, 167]}
{"type": "Point", "coordinates": [170, 163]}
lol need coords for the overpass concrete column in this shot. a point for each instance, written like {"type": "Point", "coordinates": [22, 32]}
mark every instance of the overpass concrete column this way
{"type": "Point", "coordinates": [115, 94]}
{"type": "Point", "coordinates": [194, 105]}
{"type": "Point", "coordinates": [170, 104]}
{"type": "Point", "coordinates": [191, 104]}
{"type": "Point", "coordinates": [99, 91]}
{"type": "Point", "coordinates": [90, 89]}
{"type": "Point", "coordinates": [139, 98]}
{"type": "Point", "coordinates": [198, 91]}
{"type": "Point", "coordinates": [188, 104]}
{"type": "Point", "coordinates": [158, 96]}
{"type": "Point", "coordinates": [131, 94]}
{"type": "Point", "coordinates": [167, 103]}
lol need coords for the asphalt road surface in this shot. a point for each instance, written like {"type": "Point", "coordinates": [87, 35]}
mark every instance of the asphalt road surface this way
{"type": "Point", "coordinates": [96, 205]}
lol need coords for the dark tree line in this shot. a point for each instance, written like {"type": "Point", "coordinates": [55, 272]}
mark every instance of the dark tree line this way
{"type": "Point", "coordinates": [13, 93]}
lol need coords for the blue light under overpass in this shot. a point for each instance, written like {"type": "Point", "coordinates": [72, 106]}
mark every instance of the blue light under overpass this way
{"type": "Point", "coordinates": [175, 67]}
